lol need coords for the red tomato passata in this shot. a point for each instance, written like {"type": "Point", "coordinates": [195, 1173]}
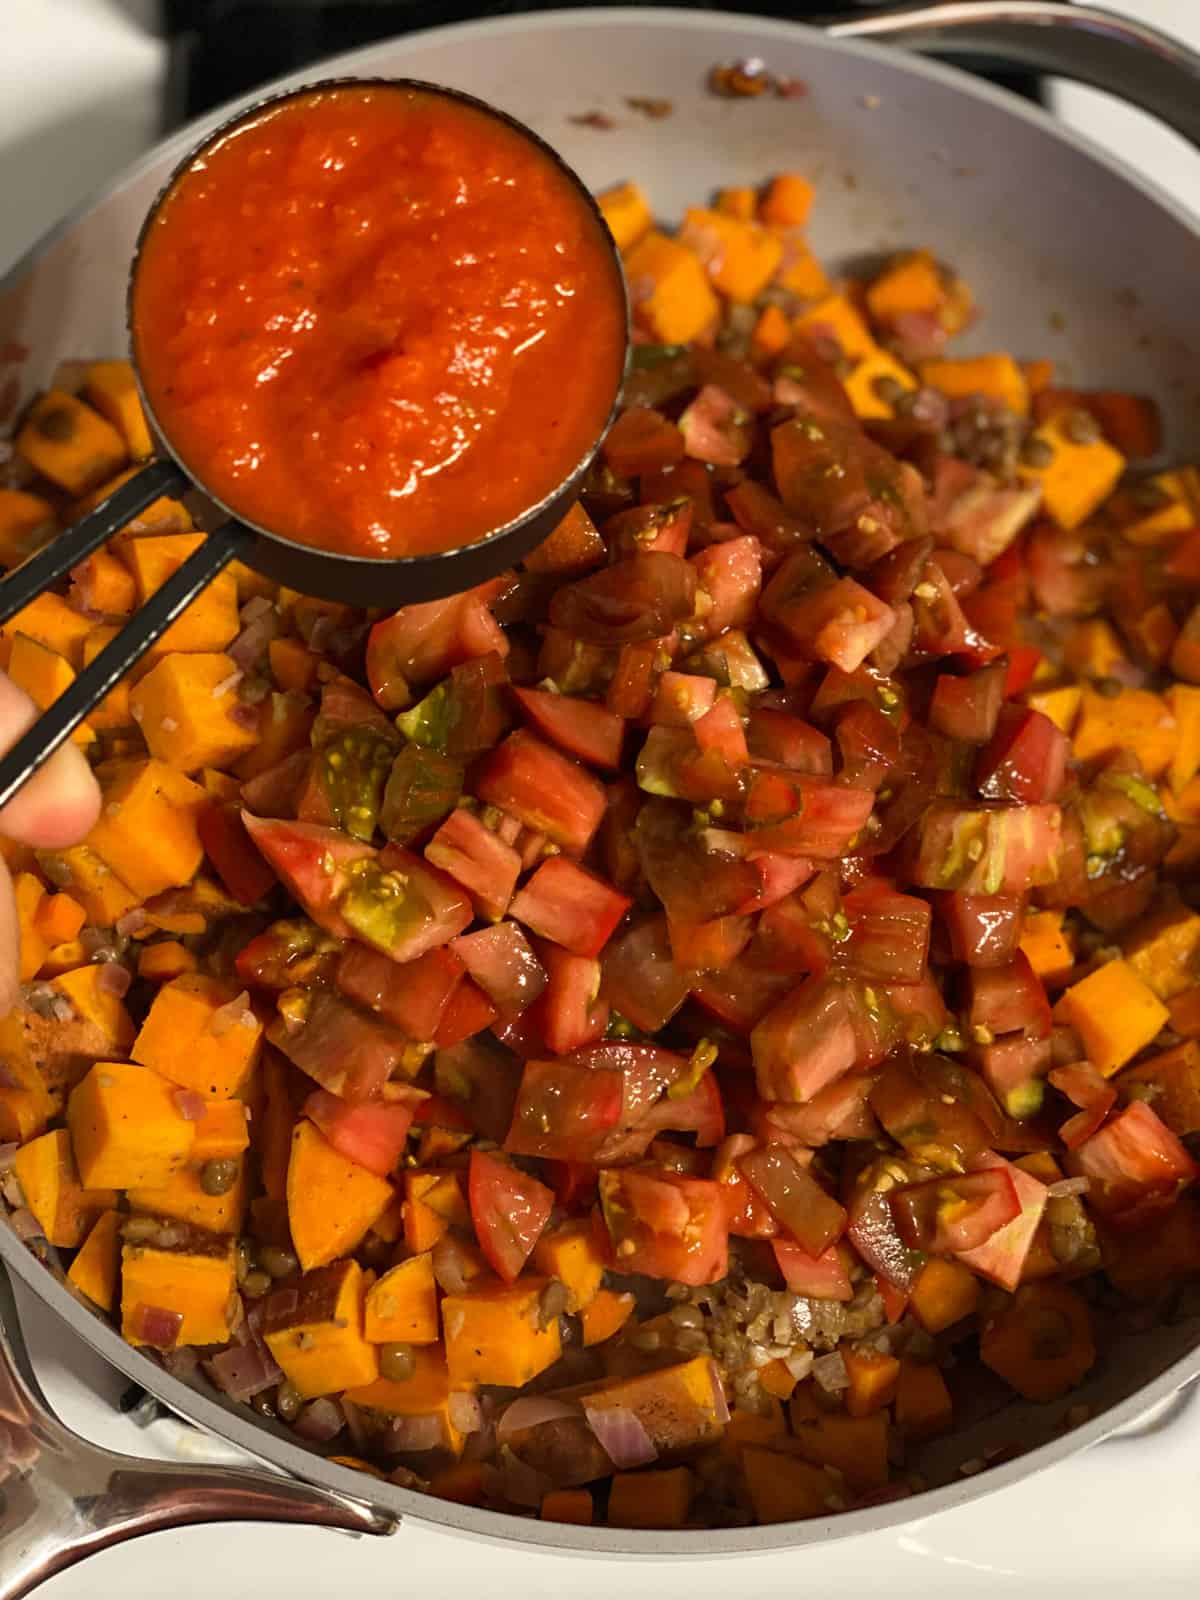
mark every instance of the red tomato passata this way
{"type": "Point", "coordinates": [509, 1211]}
{"type": "Point", "coordinates": [372, 1133]}
{"type": "Point", "coordinates": [665, 1225]}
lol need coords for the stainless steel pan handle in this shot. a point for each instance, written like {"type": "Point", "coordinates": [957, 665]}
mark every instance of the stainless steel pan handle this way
{"type": "Point", "coordinates": [62, 1498]}
{"type": "Point", "coordinates": [1129, 59]}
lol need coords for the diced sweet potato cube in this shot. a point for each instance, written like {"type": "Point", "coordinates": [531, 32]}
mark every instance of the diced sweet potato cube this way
{"type": "Point", "coordinates": [433, 1203]}
{"type": "Point", "coordinates": [60, 918]}
{"type": "Point", "coordinates": [222, 1132]}
{"type": "Point", "coordinates": [1164, 950]}
{"type": "Point", "coordinates": [211, 621]}
{"type": "Point", "coordinates": [184, 1197]}
{"type": "Point", "coordinates": [26, 1108]}
{"type": "Point", "coordinates": [45, 1169]}
{"type": "Point", "coordinates": [867, 384]}
{"type": "Point", "coordinates": [607, 1314]}
{"type": "Point", "coordinates": [27, 522]}
{"type": "Point", "coordinates": [752, 1428]}
{"type": "Point", "coordinates": [570, 1254]}
{"type": "Point", "coordinates": [998, 377]}
{"type": "Point", "coordinates": [126, 1127]}
{"type": "Point", "coordinates": [95, 1005]}
{"type": "Point", "coordinates": [198, 1281]}
{"type": "Point", "coordinates": [678, 1406]}
{"type": "Point", "coordinates": [332, 1201]}
{"type": "Point", "coordinates": [627, 212]}
{"type": "Point", "coordinates": [69, 443]}
{"type": "Point", "coordinates": [44, 675]}
{"type": "Point", "coordinates": [425, 1394]}
{"type": "Point", "coordinates": [788, 200]}
{"type": "Point", "coordinates": [1078, 478]}
{"type": "Point", "coordinates": [912, 283]}
{"type": "Point", "coordinates": [314, 1329]}
{"type": "Point", "coordinates": [52, 622]}
{"type": "Point", "coordinates": [113, 713]}
{"type": "Point", "coordinates": [184, 707]}
{"type": "Point", "coordinates": [159, 963]}
{"type": "Point", "coordinates": [836, 318]}
{"type": "Point", "coordinates": [873, 1378]}
{"type": "Point", "coordinates": [1114, 1013]}
{"type": "Point", "coordinates": [1047, 947]}
{"type": "Point", "coordinates": [1171, 1083]}
{"type": "Point", "coordinates": [462, 1481]}
{"type": "Point", "coordinates": [568, 1505]}
{"type": "Point", "coordinates": [741, 257]}
{"type": "Point", "coordinates": [97, 1265]}
{"type": "Point", "coordinates": [783, 1489]}
{"type": "Point", "coordinates": [672, 297]}
{"type": "Point", "coordinates": [29, 895]}
{"type": "Point", "coordinates": [112, 388]}
{"type": "Point", "coordinates": [79, 871]}
{"type": "Point", "coordinates": [1134, 719]}
{"type": "Point", "coordinates": [923, 1404]}
{"type": "Point", "coordinates": [493, 1334]}
{"type": "Point", "coordinates": [402, 1306]}
{"type": "Point", "coordinates": [190, 1036]}
{"type": "Point", "coordinates": [856, 1446]}
{"type": "Point", "coordinates": [147, 831]}
{"type": "Point", "coordinates": [944, 1293]}
{"type": "Point", "coordinates": [651, 1499]}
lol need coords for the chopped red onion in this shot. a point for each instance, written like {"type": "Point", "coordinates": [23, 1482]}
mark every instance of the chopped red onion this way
{"type": "Point", "coordinates": [282, 1304]}
{"type": "Point", "coordinates": [1069, 1186]}
{"type": "Point", "coordinates": [10, 1188]}
{"type": "Point", "coordinates": [25, 1225]}
{"type": "Point", "coordinates": [411, 1435]}
{"type": "Point", "coordinates": [235, 1013]}
{"type": "Point", "coordinates": [320, 1421]}
{"type": "Point", "coordinates": [257, 606]}
{"type": "Point", "coordinates": [720, 1404]}
{"type": "Point", "coordinates": [132, 922]}
{"type": "Point", "coordinates": [155, 1325]}
{"type": "Point", "coordinates": [621, 1435]}
{"type": "Point", "coordinates": [8, 1152]}
{"type": "Point", "coordinates": [181, 1362]}
{"type": "Point", "coordinates": [356, 1426]}
{"type": "Point", "coordinates": [243, 1371]}
{"type": "Point", "coordinates": [531, 1411]}
{"type": "Point", "coordinates": [227, 685]}
{"type": "Point", "coordinates": [322, 629]}
{"type": "Point", "coordinates": [251, 644]}
{"type": "Point", "coordinates": [190, 1105]}
{"type": "Point", "coordinates": [449, 1263]}
{"type": "Point", "coordinates": [830, 1372]}
{"type": "Point", "coordinates": [114, 979]}
{"type": "Point", "coordinates": [464, 1412]}
{"type": "Point", "coordinates": [244, 716]}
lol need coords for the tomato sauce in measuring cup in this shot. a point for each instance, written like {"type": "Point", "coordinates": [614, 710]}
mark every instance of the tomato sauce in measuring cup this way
{"type": "Point", "coordinates": [379, 320]}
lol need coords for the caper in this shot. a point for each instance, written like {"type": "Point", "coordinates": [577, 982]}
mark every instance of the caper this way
{"type": "Point", "coordinates": [1037, 453]}
{"type": "Point", "coordinates": [243, 1260]}
{"type": "Point", "coordinates": [278, 1263]}
{"type": "Point", "coordinates": [397, 1362]}
{"type": "Point", "coordinates": [264, 1404]}
{"type": "Point", "coordinates": [218, 1176]}
{"type": "Point", "coordinates": [288, 1401]}
{"type": "Point", "coordinates": [552, 1304]}
{"type": "Point", "coordinates": [888, 389]}
{"type": "Point", "coordinates": [1081, 427]}
{"type": "Point", "coordinates": [256, 1284]}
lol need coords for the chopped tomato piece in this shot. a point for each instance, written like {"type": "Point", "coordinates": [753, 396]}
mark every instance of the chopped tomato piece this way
{"type": "Point", "coordinates": [240, 867]}
{"type": "Point", "coordinates": [641, 979]}
{"type": "Point", "coordinates": [570, 1012]}
{"type": "Point", "coordinates": [794, 815]}
{"type": "Point", "coordinates": [420, 643]}
{"type": "Point", "coordinates": [547, 791]}
{"type": "Point", "coordinates": [315, 863]}
{"type": "Point", "coordinates": [509, 1212]}
{"type": "Point", "coordinates": [805, 1042]}
{"type": "Point", "coordinates": [797, 1200]}
{"type": "Point", "coordinates": [746, 1212]}
{"type": "Point", "coordinates": [412, 995]}
{"type": "Point", "coordinates": [1008, 999]}
{"type": "Point", "coordinates": [984, 929]}
{"type": "Point", "coordinates": [501, 962]}
{"type": "Point", "coordinates": [468, 1012]}
{"type": "Point", "coordinates": [1025, 759]}
{"type": "Point", "coordinates": [641, 597]}
{"type": "Point", "coordinates": [1001, 1259]}
{"type": "Point", "coordinates": [346, 1051]}
{"type": "Point", "coordinates": [486, 866]}
{"type": "Point", "coordinates": [564, 903]}
{"type": "Point", "coordinates": [665, 1225]}
{"type": "Point", "coordinates": [1091, 1092]}
{"type": "Point", "coordinates": [820, 1277]}
{"type": "Point", "coordinates": [588, 731]}
{"type": "Point", "coordinates": [1132, 1159]}
{"type": "Point", "coordinates": [954, 1212]}
{"type": "Point", "coordinates": [889, 933]}
{"type": "Point", "coordinates": [373, 1133]}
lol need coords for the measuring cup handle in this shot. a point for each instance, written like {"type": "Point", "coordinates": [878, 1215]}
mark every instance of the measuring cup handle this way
{"type": "Point", "coordinates": [54, 560]}
{"type": "Point", "coordinates": [63, 1498]}
{"type": "Point", "coordinates": [1124, 55]}
{"type": "Point", "coordinates": [57, 724]}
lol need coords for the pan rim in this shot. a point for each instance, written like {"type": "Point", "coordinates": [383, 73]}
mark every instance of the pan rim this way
{"type": "Point", "coordinates": [258, 1440]}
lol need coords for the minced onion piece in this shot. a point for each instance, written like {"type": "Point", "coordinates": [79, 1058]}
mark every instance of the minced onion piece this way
{"type": "Point", "coordinates": [156, 1325]}
{"type": "Point", "coordinates": [114, 979]}
{"type": "Point", "coordinates": [464, 1411]}
{"type": "Point", "coordinates": [243, 1371]}
{"type": "Point", "coordinates": [413, 1435]}
{"type": "Point", "coordinates": [519, 1482]}
{"type": "Point", "coordinates": [8, 1154]}
{"type": "Point", "coordinates": [132, 922]}
{"type": "Point", "coordinates": [234, 1013]}
{"type": "Point", "coordinates": [25, 1225]}
{"type": "Point", "coordinates": [181, 1362]}
{"type": "Point", "coordinates": [830, 1372]}
{"type": "Point", "coordinates": [191, 1106]}
{"type": "Point", "coordinates": [356, 1426]}
{"type": "Point", "coordinates": [227, 685]}
{"type": "Point", "coordinates": [622, 1436]}
{"type": "Point", "coordinates": [1069, 1186]}
{"type": "Point", "coordinates": [531, 1411]}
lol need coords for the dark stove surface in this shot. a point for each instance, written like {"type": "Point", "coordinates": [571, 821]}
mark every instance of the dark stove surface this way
{"type": "Point", "coordinates": [223, 48]}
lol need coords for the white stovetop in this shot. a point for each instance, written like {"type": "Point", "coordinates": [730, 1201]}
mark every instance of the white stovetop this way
{"type": "Point", "coordinates": [79, 82]}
